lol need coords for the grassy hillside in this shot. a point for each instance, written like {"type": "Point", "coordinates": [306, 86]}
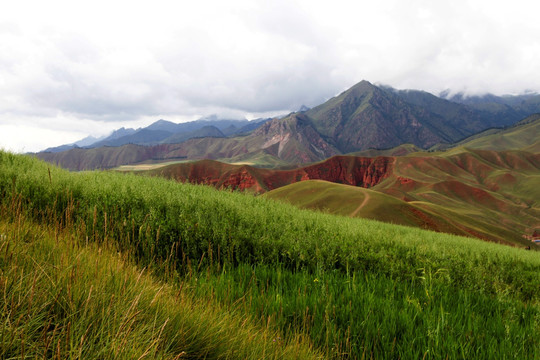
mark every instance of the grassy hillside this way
{"type": "Point", "coordinates": [358, 202]}
{"type": "Point", "coordinates": [522, 136]}
{"type": "Point", "coordinates": [353, 287]}
{"type": "Point", "coordinates": [491, 193]}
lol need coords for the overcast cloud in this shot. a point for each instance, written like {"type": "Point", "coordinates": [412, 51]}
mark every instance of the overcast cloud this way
{"type": "Point", "coordinates": [69, 69]}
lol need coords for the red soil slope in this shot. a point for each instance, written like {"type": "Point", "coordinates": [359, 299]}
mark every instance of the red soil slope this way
{"type": "Point", "coordinates": [350, 170]}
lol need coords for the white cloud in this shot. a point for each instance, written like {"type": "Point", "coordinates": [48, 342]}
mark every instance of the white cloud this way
{"type": "Point", "coordinates": [69, 67]}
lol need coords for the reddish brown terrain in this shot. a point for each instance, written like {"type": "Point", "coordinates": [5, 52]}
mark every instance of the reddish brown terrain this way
{"type": "Point", "coordinates": [486, 194]}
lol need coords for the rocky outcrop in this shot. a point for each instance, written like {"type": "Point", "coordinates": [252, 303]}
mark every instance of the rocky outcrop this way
{"type": "Point", "coordinates": [294, 139]}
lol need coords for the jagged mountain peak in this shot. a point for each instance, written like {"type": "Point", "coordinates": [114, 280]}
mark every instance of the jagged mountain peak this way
{"type": "Point", "coordinates": [360, 89]}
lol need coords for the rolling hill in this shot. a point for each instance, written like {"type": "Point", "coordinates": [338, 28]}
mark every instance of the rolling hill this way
{"type": "Point", "coordinates": [485, 194]}
{"type": "Point", "coordinates": [345, 200]}
{"type": "Point", "coordinates": [482, 193]}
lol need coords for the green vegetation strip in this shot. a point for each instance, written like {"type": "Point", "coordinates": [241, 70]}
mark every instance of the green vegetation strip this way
{"type": "Point", "coordinates": [356, 287]}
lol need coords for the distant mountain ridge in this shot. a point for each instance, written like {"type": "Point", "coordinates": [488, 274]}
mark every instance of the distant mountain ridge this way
{"type": "Point", "coordinates": [522, 137]}
{"type": "Point", "coordinates": [501, 108]}
{"type": "Point", "coordinates": [89, 140]}
{"type": "Point", "coordinates": [166, 132]}
{"type": "Point", "coordinates": [361, 118]}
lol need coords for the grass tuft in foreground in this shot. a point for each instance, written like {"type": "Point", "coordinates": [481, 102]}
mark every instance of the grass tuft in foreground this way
{"type": "Point", "coordinates": [61, 300]}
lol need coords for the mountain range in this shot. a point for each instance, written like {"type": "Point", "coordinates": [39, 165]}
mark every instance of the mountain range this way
{"type": "Point", "coordinates": [363, 117]}
{"type": "Point", "coordinates": [166, 132]}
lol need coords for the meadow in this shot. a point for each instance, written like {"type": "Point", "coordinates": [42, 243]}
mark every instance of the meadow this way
{"type": "Point", "coordinates": [315, 284]}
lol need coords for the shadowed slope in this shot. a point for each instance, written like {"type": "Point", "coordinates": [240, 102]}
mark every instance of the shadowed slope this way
{"type": "Point", "coordinates": [367, 116]}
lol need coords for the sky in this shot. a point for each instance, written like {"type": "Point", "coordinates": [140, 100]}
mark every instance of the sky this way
{"type": "Point", "coordinates": [69, 69]}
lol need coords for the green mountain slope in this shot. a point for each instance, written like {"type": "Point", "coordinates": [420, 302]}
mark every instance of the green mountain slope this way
{"type": "Point", "coordinates": [112, 309]}
{"type": "Point", "coordinates": [525, 135]}
{"type": "Point", "coordinates": [367, 117]}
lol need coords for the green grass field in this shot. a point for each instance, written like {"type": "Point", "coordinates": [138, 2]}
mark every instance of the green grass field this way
{"type": "Point", "coordinates": [276, 280]}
